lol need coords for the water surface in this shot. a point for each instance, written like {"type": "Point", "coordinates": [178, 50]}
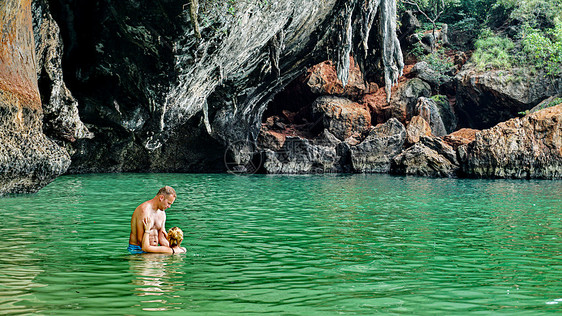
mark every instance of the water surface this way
{"type": "Point", "coordinates": [291, 245]}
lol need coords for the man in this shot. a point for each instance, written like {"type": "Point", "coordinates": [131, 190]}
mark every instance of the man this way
{"type": "Point", "coordinates": [153, 209]}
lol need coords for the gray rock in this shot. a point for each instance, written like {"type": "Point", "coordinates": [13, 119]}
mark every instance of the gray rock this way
{"type": "Point", "coordinates": [375, 153]}
{"type": "Point", "coordinates": [421, 160]}
{"type": "Point", "coordinates": [429, 110]}
{"type": "Point", "coordinates": [424, 72]}
{"type": "Point", "coordinates": [148, 70]}
{"type": "Point", "coordinates": [60, 108]}
{"type": "Point", "coordinates": [299, 155]}
{"type": "Point", "coordinates": [405, 98]}
{"type": "Point", "coordinates": [485, 99]}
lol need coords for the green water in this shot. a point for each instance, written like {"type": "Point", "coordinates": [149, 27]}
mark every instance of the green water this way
{"type": "Point", "coordinates": [291, 245]}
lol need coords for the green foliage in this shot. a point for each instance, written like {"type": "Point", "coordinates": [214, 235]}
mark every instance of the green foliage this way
{"type": "Point", "coordinates": [440, 99]}
{"type": "Point", "coordinates": [437, 61]}
{"type": "Point", "coordinates": [493, 52]}
{"type": "Point", "coordinates": [544, 49]}
{"type": "Point", "coordinates": [534, 13]}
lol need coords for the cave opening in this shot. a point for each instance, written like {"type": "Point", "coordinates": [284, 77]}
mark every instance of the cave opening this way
{"type": "Point", "coordinates": [290, 111]}
{"type": "Point", "coordinates": [317, 101]}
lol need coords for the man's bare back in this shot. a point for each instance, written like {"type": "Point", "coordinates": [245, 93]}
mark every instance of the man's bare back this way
{"type": "Point", "coordinates": [155, 210]}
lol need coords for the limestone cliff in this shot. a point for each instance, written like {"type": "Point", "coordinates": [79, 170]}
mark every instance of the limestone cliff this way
{"type": "Point", "coordinates": [28, 160]}
{"type": "Point", "coordinates": [157, 82]}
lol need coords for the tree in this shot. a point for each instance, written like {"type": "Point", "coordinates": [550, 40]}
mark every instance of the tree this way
{"type": "Point", "coordinates": [431, 10]}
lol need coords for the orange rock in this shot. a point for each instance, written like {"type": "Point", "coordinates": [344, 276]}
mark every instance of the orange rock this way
{"type": "Point", "coordinates": [323, 80]}
{"type": "Point", "coordinates": [461, 137]}
{"type": "Point", "coordinates": [416, 128]}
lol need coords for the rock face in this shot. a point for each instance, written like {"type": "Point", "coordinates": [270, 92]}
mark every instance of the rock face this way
{"type": "Point", "coordinates": [322, 79]}
{"type": "Point", "coordinates": [375, 153]}
{"type": "Point", "coordinates": [485, 99]}
{"type": "Point", "coordinates": [300, 155]}
{"type": "Point", "coordinates": [528, 147]}
{"type": "Point", "coordinates": [406, 97]}
{"type": "Point", "coordinates": [145, 73]}
{"type": "Point", "coordinates": [28, 160]}
{"type": "Point", "coordinates": [60, 109]}
{"type": "Point", "coordinates": [430, 157]}
{"type": "Point", "coordinates": [342, 117]}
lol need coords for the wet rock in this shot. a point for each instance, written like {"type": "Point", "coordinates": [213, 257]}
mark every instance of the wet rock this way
{"type": "Point", "coordinates": [428, 158]}
{"type": "Point", "coordinates": [375, 153]}
{"type": "Point", "coordinates": [485, 99]}
{"type": "Point", "coordinates": [528, 147]}
{"type": "Point", "coordinates": [416, 128]}
{"type": "Point", "coordinates": [405, 99]}
{"type": "Point", "coordinates": [342, 117]}
{"type": "Point", "coordinates": [28, 159]}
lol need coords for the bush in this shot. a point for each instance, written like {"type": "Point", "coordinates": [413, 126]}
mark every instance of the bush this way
{"type": "Point", "coordinates": [544, 49]}
{"type": "Point", "coordinates": [493, 52]}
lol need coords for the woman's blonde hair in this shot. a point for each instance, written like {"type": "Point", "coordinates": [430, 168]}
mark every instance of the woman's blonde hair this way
{"type": "Point", "coordinates": [175, 236]}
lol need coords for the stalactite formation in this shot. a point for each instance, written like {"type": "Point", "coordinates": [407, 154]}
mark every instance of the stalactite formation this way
{"type": "Point", "coordinates": [356, 42]}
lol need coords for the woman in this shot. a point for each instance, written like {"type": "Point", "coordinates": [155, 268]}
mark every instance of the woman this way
{"type": "Point", "coordinates": [175, 237]}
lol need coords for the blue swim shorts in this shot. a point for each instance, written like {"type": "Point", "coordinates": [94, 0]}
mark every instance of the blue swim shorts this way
{"type": "Point", "coordinates": [134, 249]}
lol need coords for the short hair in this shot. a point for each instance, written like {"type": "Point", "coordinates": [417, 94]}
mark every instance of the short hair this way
{"type": "Point", "coordinates": [175, 236]}
{"type": "Point", "coordinates": [167, 190]}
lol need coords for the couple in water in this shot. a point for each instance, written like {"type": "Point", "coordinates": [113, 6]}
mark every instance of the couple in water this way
{"type": "Point", "coordinates": [148, 226]}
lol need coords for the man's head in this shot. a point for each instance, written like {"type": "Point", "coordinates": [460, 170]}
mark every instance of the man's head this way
{"type": "Point", "coordinates": [165, 197]}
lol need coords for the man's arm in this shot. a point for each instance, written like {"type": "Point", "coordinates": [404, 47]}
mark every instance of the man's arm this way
{"type": "Point", "coordinates": [140, 229]}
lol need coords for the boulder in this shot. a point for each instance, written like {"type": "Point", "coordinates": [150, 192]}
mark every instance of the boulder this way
{"type": "Point", "coordinates": [300, 155]}
{"type": "Point", "coordinates": [422, 71]}
{"type": "Point", "coordinates": [404, 100]}
{"type": "Point", "coordinates": [428, 158]}
{"type": "Point", "coordinates": [427, 108]}
{"type": "Point", "coordinates": [463, 136]}
{"type": "Point", "coordinates": [342, 117]}
{"type": "Point", "coordinates": [375, 153]}
{"type": "Point", "coordinates": [416, 128]}
{"type": "Point", "coordinates": [485, 99]}
{"type": "Point", "coordinates": [525, 148]}
{"type": "Point", "coordinates": [380, 109]}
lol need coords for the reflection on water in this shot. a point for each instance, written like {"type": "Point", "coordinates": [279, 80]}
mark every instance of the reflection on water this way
{"type": "Point", "coordinates": [156, 275]}
{"type": "Point", "coordinates": [303, 245]}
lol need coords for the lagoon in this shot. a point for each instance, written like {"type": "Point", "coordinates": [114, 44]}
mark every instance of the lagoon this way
{"type": "Point", "coordinates": [290, 245]}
